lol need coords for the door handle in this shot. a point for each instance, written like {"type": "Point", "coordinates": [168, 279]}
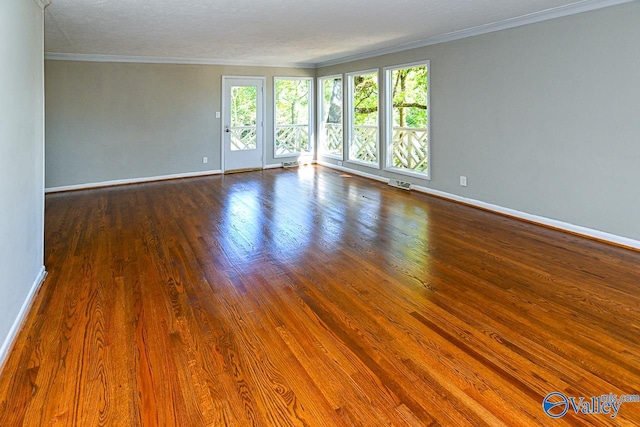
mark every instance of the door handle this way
{"type": "Point", "coordinates": [226, 129]}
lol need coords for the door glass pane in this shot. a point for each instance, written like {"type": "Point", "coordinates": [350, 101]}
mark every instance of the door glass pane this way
{"type": "Point", "coordinates": [244, 113]}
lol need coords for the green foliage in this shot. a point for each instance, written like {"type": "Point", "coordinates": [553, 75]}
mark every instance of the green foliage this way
{"type": "Point", "coordinates": [410, 144]}
{"type": "Point", "coordinates": [365, 99]}
{"type": "Point", "coordinates": [409, 87]}
{"type": "Point", "coordinates": [243, 106]}
{"type": "Point", "coordinates": [292, 101]}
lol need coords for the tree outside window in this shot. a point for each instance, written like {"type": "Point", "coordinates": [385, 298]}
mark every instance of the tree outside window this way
{"type": "Point", "coordinates": [409, 121]}
{"type": "Point", "coordinates": [363, 145]}
{"type": "Point", "coordinates": [292, 113]}
{"type": "Point", "coordinates": [331, 117]}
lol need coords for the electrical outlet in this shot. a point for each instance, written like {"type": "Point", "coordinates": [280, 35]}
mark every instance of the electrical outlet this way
{"type": "Point", "coordinates": [463, 181]}
{"type": "Point", "coordinates": [339, 163]}
{"type": "Point", "coordinates": [205, 160]}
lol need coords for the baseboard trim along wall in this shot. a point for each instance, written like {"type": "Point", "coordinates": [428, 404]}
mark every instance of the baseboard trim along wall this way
{"type": "Point", "coordinates": [130, 181]}
{"type": "Point", "coordinates": [537, 219]}
{"type": "Point", "coordinates": [272, 166]}
{"type": "Point", "coordinates": [281, 165]}
{"type": "Point", "coordinates": [116, 182]}
{"type": "Point", "coordinates": [22, 315]}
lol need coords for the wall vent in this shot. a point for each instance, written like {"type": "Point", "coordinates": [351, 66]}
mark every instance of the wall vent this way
{"type": "Point", "coordinates": [290, 164]}
{"type": "Point", "coordinates": [400, 184]}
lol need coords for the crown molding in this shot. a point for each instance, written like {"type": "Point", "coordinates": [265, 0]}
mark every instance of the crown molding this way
{"type": "Point", "coordinates": [54, 56]}
{"type": "Point", "coordinates": [532, 18]}
{"type": "Point", "coordinates": [42, 3]}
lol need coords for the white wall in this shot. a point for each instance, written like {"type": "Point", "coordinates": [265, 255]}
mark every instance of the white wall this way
{"type": "Point", "coordinates": [21, 159]}
{"type": "Point", "coordinates": [543, 119]}
{"type": "Point", "coordinates": [119, 121]}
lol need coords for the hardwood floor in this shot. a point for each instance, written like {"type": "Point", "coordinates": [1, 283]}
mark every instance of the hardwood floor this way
{"type": "Point", "coordinates": [314, 298]}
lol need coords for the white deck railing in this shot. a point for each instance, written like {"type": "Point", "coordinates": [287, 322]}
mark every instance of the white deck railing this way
{"type": "Point", "coordinates": [243, 138]}
{"type": "Point", "coordinates": [291, 139]}
{"type": "Point", "coordinates": [364, 143]}
{"type": "Point", "coordinates": [409, 144]}
{"type": "Point", "coordinates": [332, 143]}
{"type": "Point", "coordinates": [410, 148]}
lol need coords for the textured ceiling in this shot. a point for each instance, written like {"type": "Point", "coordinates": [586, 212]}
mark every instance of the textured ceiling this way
{"type": "Point", "coordinates": [266, 31]}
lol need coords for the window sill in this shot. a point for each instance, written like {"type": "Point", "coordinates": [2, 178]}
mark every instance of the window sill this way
{"type": "Point", "coordinates": [290, 155]}
{"type": "Point", "coordinates": [331, 156]}
{"type": "Point", "coordinates": [408, 172]}
{"type": "Point", "coordinates": [366, 164]}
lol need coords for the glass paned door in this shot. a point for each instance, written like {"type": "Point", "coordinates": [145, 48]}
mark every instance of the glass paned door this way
{"type": "Point", "coordinates": [243, 123]}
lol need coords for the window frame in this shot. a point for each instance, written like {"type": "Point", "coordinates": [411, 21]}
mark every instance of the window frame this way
{"type": "Point", "coordinates": [388, 106]}
{"type": "Point", "coordinates": [349, 115]}
{"type": "Point", "coordinates": [321, 112]}
{"type": "Point", "coordinates": [310, 124]}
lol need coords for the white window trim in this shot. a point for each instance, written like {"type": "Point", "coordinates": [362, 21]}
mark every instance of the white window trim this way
{"type": "Point", "coordinates": [320, 110]}
{"type": "Point", "coordinates": [331, 155]}
{"type": "Point", "coordinates": [371, 165]}
{"type": "Point", "coordinates": [349, 118]}
{"type": "Point", "coordinates": [311, 116]}
{"type": "Point", "coordinates": [388, 109]}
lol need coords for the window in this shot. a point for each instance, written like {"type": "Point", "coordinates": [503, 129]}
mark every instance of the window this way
{"type": "Point", "coordinates": [292, 116]}
{"type": "Point", "coordinates": [330, 125]}
{"type": "Point", "coordinates": [407, 101]}
{"type": "Point", "coordinates": [363, 118]}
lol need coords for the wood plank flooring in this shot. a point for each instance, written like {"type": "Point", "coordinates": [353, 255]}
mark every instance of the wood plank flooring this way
{"type": "Point", "coordinates": [314, 298]}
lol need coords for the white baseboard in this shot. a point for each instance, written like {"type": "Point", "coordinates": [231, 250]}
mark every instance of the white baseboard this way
{"type": "Point", "coordinates": [272, 166]}
{"type": "Point", "coordinates": [141, 180]}
{"type": "Point", "coordinates": [280, 165]}
{"type": "Point", "coordinates": [549, 222]}
{"type": "Point", "coordinates": [130, 181]}
{"type": "Point", "coordinates": [22, 314]}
